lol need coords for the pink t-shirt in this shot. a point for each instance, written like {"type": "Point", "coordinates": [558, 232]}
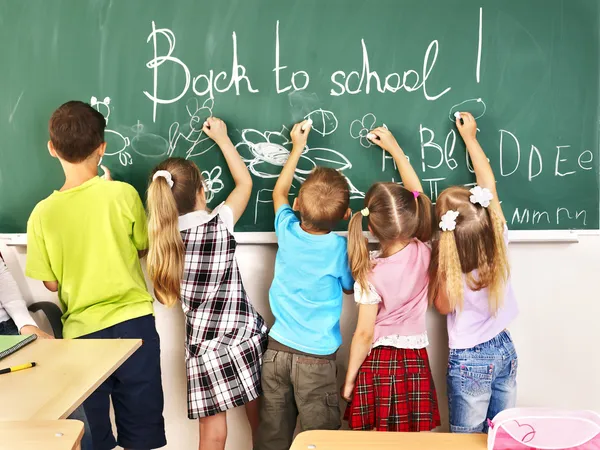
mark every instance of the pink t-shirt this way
{"type": "Point", "coordinates": [475, 324]}
{"type": "Point", "coordinates": [402, 282]}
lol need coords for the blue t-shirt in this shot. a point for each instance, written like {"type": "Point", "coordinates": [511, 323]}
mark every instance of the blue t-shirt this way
{"type": "Point", "coordinates": [306, 294]}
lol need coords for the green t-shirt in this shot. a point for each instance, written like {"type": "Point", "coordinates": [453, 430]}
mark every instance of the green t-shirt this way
{"type": "Point", "coordinates": [87, 238]}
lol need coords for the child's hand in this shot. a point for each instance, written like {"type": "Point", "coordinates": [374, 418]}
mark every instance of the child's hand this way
{"type": "Point", "coordinates": [347, 391]}
{"type": "Point", "coordinates": [107, 176]}
{"type": "Point", "coordinates": [300, 136]}
{"type": "Point", "coordinates": [384, 138]}
{"type": "Point", "coordinates": [30, 329]}
{"type": "Point", "coordinates": [467, 129]}
{"type": "Point", "coordinates": [215, 129]}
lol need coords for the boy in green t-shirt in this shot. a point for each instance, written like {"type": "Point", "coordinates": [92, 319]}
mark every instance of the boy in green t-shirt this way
{"type": "Point", "coordinates": [84, 242]}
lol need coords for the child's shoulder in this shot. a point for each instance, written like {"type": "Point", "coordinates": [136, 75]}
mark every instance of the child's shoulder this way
{"type": "Point", "coordinates": [119, 188]}
{"type": "Point", "coordinates": [120, 193]}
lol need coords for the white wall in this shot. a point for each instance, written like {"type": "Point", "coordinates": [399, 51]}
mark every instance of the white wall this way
{"type": "Point", "coordinates": [556, 333]}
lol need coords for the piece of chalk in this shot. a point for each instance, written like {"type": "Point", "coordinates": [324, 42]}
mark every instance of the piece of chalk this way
{"type": "Point", "coordinates": [457, 115]}
{"type": "Point", "coordinates": [385, 126]}
{"type": "Point", "coordinates": [371, 136]}
{"type": "Point", "coordinates": [308, 123]}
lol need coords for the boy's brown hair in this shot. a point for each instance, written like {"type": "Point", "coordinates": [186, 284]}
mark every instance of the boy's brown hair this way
{"type": "Point", "coordinates": [323, 199]}
{"type": "Point", "coordinates": [76, 130]}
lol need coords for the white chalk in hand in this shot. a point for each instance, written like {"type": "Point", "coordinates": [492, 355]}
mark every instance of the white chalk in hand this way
{"type": "Point", "coordinates": [308, 123]}
{"type": "Point", "coordinates": [457, 115]}
{"type": "Point", "coordinates": [371, 136]}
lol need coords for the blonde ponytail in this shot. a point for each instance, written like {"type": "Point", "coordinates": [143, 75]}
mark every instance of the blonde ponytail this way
{"type": "Point", "coordinates": [501, 267]}
{"type": "Point", "coordinates": [166, 254]}
{"type": "Point", "coordinates": [358, 252]}
{"type": "Point", "coordinates": [450, 273]}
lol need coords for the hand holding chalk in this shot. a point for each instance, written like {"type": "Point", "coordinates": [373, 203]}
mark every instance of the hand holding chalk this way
{"type": "Point", "coordinates": [467, 126]}
{"type": "Point", "coordinates": [299, 134]}
{"type": "Point", "coordinates": [372, 136]}
{"type": "Point", "coordinates": [457, 116]}
{"type": "Point", "coordinates": [216, 130]}
{"type": "Point", "coordinates": [383, 137]}
{"type": "Point", "coordinates": [307, 125]}
{"type": "Point", "coordinates": [107, 176]}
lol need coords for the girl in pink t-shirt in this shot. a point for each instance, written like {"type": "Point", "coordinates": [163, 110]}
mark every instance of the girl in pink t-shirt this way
{"type": "Point", "coordinates": [389, 384]}
{"type": "Point", "coordinates": [470, 282]}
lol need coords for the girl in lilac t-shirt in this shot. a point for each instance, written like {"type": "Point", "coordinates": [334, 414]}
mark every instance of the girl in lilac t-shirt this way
{"type": "Point", "coordinates": [389, 383]}
{"type": "Point", "coordinates": [470, 282]}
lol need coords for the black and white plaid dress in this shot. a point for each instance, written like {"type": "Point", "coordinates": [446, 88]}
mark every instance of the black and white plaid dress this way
{"type": "Point", "coordinates": [226, 337]}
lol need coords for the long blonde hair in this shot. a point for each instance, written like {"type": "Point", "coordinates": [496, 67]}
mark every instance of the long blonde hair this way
{"type": "Point", "coordinates": [477, 243]}
{"type": "Point", "coordinates": [165, 205]}
{"type": "Point", "coordinates": [394, 214]}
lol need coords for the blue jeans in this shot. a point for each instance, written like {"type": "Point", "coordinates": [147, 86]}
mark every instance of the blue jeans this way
{"type": "Point", "coordinates": [482, 381]}
{"type": "Point", "coordinates": [135, 390]}
{"type": "Point", "coordinates": [8, 327]}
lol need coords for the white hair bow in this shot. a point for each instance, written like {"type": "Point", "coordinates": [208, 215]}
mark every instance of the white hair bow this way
{"type": "Point", "coordinates": [448, 222]}
{"type": "Point", "coordinates": [480, 195]}
{"type": "Point", "coordinates": [164, 174]}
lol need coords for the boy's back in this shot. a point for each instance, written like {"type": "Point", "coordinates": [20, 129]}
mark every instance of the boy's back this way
{"type": "Point", "coordinates": [87, 238]}
{"type": "Point", "coordinates": [83, 242]}
{"type": "Point", "coordinates": [306, 296]}
{"type": "Point", "coordinates": [299, 376]}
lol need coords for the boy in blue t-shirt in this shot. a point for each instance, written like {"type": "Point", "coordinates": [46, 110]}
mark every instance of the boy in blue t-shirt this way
{"type": "Point", "coordinates": [299, 376]}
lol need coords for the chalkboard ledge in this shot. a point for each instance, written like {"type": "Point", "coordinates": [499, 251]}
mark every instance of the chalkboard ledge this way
{"type": "Point", "coordinates": [261, 238]}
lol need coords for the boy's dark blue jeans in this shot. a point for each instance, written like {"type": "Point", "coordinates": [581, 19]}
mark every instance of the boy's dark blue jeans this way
{"type": "Point", "coordinates": [8, 327]}
{"type": "Point", "coordinates": [135, 390]}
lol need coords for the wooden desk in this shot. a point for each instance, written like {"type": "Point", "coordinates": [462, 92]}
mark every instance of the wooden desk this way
{"type": "Point", "coordinates": [46, 435]}
{"type": "Point", "coordinates": [67, 372]}
{"type": "Point", "coordinates": [367, 440]}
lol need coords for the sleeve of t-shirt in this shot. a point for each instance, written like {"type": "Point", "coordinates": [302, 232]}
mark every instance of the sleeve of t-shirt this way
{"type": "Point", "coordinates": [284, 218]}
{"type": "Point", "coordinates": [38, 263]}
{"type": "Point", "coordinates": [139, 234]}
{"type": "Point", "coordinates": [369, 297]}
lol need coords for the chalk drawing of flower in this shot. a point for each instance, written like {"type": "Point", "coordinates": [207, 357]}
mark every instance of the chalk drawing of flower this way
{"type": "Point", "coordinates": [212, 182]}
{"type": "Point", "coordinates": [359, 129]}
{"type": "Point", "coordinates": [266, 153]}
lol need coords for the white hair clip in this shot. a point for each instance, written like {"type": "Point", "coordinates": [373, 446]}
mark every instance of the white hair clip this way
{"type": "Point", "coordinates": [448, 222]}
{"type": "Point", "coordinates": [480, 195]}
{"type": "Point", "coordinates": [164, 174]}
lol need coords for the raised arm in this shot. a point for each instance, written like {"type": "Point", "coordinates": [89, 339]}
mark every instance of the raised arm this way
{"type": "Point", "coordinates": [481, 165]}
{"type": "Point", "coordinates": [385, 139]}
{"type": "Point", "coordinates": [240, 196]}
{"type": "Point", "coordinates": [284, 182]}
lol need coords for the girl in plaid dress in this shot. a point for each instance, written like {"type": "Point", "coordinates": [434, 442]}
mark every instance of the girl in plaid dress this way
{"type": "Point", "coordinates": [192, 259]}
{"type": "Point", "coordinates": [389, 384]}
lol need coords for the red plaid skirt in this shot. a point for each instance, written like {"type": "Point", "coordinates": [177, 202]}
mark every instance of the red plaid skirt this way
{"type": "Point", "coordinates": [394, 391]}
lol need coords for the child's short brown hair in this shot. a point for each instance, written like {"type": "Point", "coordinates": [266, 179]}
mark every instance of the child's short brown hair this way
{"type": "Point", "coordinates": [76, 130]}
{"type": "Point", "coordinates": [323, 199]}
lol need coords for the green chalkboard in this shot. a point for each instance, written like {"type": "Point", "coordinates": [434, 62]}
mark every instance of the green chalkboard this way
{"type": "Point", "coordinates": [529, 69]}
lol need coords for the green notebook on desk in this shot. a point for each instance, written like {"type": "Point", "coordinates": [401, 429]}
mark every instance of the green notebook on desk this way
{"type": "Point", "coordinates": [11, 344]}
